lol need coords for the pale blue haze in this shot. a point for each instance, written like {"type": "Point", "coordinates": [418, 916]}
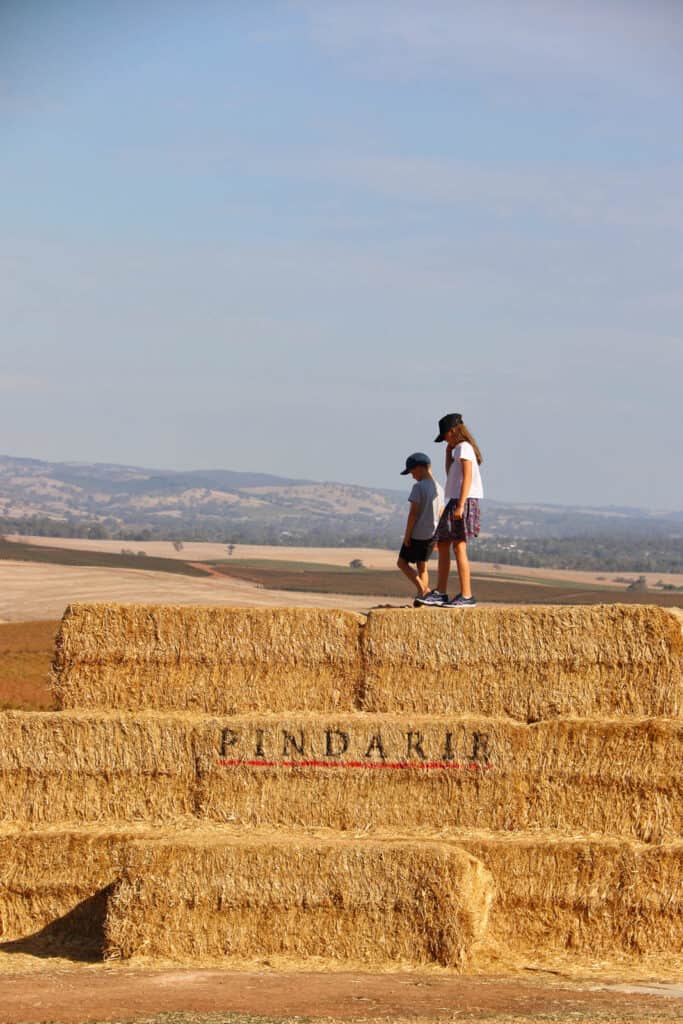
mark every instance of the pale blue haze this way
{"type": "Point", "coordinates": [287, 237]}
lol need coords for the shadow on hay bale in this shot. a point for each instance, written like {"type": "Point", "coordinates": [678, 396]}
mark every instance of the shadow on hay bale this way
{"type": "Point", "coordinates": [77, 935]}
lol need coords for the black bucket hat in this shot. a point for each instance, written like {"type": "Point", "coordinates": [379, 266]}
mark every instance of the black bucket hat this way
{"type": "Point", "coordinates": [451, 419]}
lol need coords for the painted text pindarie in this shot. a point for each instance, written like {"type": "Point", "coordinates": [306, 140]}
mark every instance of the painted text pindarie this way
{"type": "Point", "coordinates": [342, 744]}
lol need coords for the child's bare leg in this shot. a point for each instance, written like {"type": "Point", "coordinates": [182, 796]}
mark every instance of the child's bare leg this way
{"type": "Point", "coordinates": [444, 547]}
{"type": "Point", "coordinates": [423, 577]}
{"type": "Point", "coordinates": [463, 563]}
{"type": "Point", "coordinates": [408, 571]}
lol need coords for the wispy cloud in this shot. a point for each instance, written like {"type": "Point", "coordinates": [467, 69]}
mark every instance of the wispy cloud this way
{"type": "Point", "coordinates": [618, 39]}
{"type": "Point", "coordinates": [651, 198]}
{"type": "Point", "coordinates": [578, 193]}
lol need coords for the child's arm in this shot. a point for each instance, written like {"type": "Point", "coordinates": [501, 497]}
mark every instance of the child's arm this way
{"type": "Point", "coordinates": [413, 516]}
{"type": "Point", "coordinates": [464, 487]}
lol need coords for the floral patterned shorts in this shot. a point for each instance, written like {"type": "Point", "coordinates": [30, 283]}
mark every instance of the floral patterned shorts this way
{"type": "Point", "coordinates": [453, 529]}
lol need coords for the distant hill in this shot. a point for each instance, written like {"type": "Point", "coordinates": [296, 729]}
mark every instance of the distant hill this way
{"type": "Point", "coordinates": [133, 503]}
{"type": "Point", "coordinates": [199, 504]}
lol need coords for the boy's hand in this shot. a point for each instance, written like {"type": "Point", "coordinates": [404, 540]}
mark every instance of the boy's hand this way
{"type": "Point", "coordinates": [406, 541]}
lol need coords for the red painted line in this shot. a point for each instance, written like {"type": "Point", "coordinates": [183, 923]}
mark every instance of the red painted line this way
{"type": "Point", "coordinates": [470, 766]}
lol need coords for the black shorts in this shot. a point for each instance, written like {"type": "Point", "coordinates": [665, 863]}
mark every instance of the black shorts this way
{"type": "Point", "coordinates": [417, 550]}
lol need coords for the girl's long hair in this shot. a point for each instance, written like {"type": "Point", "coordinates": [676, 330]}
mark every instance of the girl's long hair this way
{"type": "Point", "coordinates": [463, 434]}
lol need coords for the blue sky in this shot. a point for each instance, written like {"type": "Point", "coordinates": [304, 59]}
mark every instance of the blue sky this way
{"type": "Point", "coordinates": [289, 236]}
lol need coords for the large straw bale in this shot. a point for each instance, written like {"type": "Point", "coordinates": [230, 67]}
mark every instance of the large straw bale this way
{"type": "Point", "coordinates": [94, 766]}
{"type": "Point", "coordinates": [622, 777]}
{"type": "Point", "coordinates": [583, 894]}
{"type": "Point", "coordinates": [223, 660]}
{"type": "Point", "coordinates": [344, 771]}
{"type": "Point", "coordinates": [528, 663]}
{"type": "Point", "coordinates": [56, 875]}
{"type": "Point", "coordinates": [275, 894]}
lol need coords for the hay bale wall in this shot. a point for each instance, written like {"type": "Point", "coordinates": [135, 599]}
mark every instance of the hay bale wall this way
{"type": "Point", "coordinates": [365, 771]}
{"type": "Point", "coordinates": [94, 766]}
{"type": "Point", "coordinates": [223, 660]}
{"type": "Point", "coordinates": [595, 896]}
{"type": "Point", "coordinates": [252, 896]}
{"type": "Point", "coordinates": [344, 772]}
{"type": "Point", "coordinates": [535, 752]}
{"type": "Point", "coordinates": [553, 894]}
{"type": "Point", "coordinates": [526, 663]}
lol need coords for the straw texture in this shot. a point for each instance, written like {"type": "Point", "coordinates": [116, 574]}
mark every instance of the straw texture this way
{"type": "Point", "coordinates": [301, 783]}
{"type": "Point", "coordinates": [527, 663]}
{"type": "Point", "coordinates": [590, 895]}
{"type": "Point", "coordinates": [94, 766]}
{"type": "Point", "coordinates": [47, 875]}
{"type": "Point", "coordinates": [551, 893]}
{"type": "Point", "coordinates": [224, 660]}
{"type": "Point", "coordinates": [345, 772]}
{"type": "Point", "coordinates": [619, 777]}
{"type": "Point", "coordinates": [416, 902]}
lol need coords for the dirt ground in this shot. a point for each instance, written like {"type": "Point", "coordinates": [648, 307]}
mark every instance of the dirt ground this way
{"type": "Point", "coordinates": [118, 993]}
{"type": "Point", "coordinates": [322, 580]}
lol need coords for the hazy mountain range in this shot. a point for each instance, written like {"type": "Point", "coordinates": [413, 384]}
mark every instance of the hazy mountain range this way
{"type": "Point", "coordinates": [248, 507]}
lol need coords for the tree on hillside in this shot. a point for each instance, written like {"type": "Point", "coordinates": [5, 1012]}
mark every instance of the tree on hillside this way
{"type": "Point", "coordinates": [639, 584]}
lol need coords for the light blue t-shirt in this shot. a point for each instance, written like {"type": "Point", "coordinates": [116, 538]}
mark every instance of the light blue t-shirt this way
{"type": "Point", "coordinates": [428, 496]}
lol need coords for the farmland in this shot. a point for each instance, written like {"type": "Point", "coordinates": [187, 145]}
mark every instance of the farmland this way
{"type": "Point", "coordinates": [19, 551]}
{"type": "Point", "coordinates": [490, 587]}
{"type": "Point", "coordinates": [40, 576]}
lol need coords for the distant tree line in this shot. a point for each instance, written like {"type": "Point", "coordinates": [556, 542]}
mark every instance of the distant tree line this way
{"type": "Point", "coordinates": [620, 554]}
{"type": "Point", "coordinates": [45, 526]}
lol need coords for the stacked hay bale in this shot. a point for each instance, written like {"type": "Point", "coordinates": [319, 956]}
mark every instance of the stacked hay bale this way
{"type": "Point", "coordinates": [585, 842]}
{"type": "Point", "coordinates": [218, 660]}
{"type": "Point", "coordinates": [528, 664]}
{"type": "Point", "coordinates": [201, 758]}
{"type": "Point", "coordinates": [300, 896]}
{"type": "Point", "coordinates": [113, 781]}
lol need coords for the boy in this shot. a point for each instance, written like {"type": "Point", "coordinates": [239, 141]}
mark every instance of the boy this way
{"type": "Point", "coordinates": [426, 502]}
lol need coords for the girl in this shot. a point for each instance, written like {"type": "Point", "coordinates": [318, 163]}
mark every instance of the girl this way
{"type": "Point", "coordinates": [460, 519]}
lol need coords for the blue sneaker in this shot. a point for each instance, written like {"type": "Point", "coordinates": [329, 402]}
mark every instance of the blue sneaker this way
{"type": "Point", "coordinates": [462, 602]}
{"type": "Point", "coordinates": [434, 599]}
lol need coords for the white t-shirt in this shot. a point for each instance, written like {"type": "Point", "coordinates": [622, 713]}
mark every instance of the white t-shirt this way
{"type": "Point", "coordinates": [464, 450]}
